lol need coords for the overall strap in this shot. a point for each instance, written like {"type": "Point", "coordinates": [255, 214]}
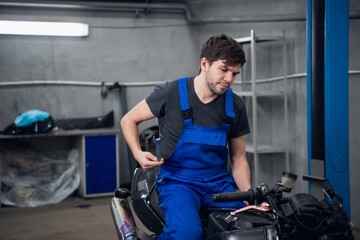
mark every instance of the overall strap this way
{"type": "Point", "coordinates": [229, 108]}
{"type": "Point", "coordinates": [184, 100]}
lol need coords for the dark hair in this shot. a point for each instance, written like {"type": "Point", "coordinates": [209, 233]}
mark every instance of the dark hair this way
{"type": "Point", "coordinates": [222, 47]}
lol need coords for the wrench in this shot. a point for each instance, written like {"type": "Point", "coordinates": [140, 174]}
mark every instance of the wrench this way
{"type": "Point", "coordinates": [157, 142]}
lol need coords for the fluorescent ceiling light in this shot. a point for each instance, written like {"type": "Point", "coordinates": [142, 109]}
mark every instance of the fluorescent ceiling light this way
{"type": "Point", "coordinates": [44, 28]}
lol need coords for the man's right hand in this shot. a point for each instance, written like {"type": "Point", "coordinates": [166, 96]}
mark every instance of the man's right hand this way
{"type": "Point", "coordinates": [148, 161]}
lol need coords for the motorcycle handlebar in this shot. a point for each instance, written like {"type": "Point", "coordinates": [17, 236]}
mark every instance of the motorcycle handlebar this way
{"type": "Point", "coordinates": [233, 196]}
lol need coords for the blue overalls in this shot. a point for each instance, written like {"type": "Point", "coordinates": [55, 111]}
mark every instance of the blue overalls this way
{"type": "Point", "coordinates": [195, 171]}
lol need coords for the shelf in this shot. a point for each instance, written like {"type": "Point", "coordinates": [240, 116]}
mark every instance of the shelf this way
{"type": "Point", "coordinates": [245, 40]}
{"type": "Point", "coordinates": [260, 93]}
{"type": "Point", "coordinates": [59, 133]}
{"type": "Point", "coordinates": [254, 148]}
{"type": "Point", "coordinates": [263, 149]}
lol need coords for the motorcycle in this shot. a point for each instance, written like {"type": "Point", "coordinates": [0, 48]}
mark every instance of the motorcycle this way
{"type": "Point", "coordinates": [269, 215]}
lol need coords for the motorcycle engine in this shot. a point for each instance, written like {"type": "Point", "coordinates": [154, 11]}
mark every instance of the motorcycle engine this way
{"type": "Point", "coordinates": [306, 214]}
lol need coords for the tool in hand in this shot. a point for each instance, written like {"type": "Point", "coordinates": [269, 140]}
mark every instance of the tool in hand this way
{"type": "Point", "coordinates": [157, 142]}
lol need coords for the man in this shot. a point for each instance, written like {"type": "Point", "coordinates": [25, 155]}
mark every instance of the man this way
{"type": "Point", "coordinates": [198, 118]}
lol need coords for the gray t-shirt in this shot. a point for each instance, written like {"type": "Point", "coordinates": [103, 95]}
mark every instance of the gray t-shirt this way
{"type": "Point", "coordinates": [164, 103]}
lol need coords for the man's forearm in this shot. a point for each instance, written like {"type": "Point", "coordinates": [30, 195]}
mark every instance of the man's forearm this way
{"type": "Point", "coordinates": [131, 132]}
{"type": "Point", "coordinates": [130, 122]}
{"type": "Point", "coordinates": [241, 175]}
{"type": "Point", "coordinates": [239, 164]}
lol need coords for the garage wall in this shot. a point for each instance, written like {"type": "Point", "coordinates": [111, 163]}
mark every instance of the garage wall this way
{"type": "Point", "coordinates": [119, 48]}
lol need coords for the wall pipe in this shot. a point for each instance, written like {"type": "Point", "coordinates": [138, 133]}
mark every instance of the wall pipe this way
{"type": "Point", "coordinates": [124, 109]}
{"type": "Point", "coordinates": [174, 8]}
{"type": "Point", "coordinates": [145, 7]}
{"type": "Point", "coordinates": [73, 83]}
{"type": "Point", "coordinates": [139, 84]}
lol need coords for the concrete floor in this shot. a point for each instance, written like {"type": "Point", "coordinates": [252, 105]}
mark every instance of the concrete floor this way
{"type": "Point", "coordinates": [72, 219]}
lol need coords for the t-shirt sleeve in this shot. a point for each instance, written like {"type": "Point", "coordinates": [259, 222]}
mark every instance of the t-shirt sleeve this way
{"type": "Point", "coordinates": [158, 100]}
{"type": "Point", "coordinates": [240, 126]}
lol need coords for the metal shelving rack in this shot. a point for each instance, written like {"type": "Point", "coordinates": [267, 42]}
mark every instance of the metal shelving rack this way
{"type": "Point", "coordinates": [255, 147]}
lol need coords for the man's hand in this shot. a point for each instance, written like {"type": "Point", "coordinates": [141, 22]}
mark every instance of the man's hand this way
{"type": "Point", "coordinates": [148, 161]}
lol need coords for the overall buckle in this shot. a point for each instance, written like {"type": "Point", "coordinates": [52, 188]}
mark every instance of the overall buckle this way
{"type": "Point", "coordinates": [187, 114]}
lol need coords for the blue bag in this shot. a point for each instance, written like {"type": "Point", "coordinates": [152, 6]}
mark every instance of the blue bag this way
{"type": "Point", "coordinates": [31, 122]}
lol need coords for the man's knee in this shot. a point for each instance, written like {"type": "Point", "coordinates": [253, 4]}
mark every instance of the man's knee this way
{"type": "Point", "coordinates": [183, 232]}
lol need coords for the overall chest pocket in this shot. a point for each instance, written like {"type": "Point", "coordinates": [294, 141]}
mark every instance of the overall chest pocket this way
{"type": "Point", "coordinates": [212, 136]}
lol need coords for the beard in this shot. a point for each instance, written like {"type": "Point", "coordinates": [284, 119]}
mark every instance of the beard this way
{"type": "Point", "coordinates": [217, 88]}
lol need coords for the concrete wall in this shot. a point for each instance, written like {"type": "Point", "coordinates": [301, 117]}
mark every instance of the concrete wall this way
{"type": "Point", "coordinates": [161, 47]}
{"type": "Point", "coordinates": [119, 48]}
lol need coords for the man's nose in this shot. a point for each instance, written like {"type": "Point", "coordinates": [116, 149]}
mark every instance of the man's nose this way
{"type": "Point", "coordinates": [229, 77]}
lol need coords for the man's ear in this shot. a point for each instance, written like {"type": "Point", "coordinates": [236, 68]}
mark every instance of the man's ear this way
{"type": "Point", "coordinates": [204, 64]}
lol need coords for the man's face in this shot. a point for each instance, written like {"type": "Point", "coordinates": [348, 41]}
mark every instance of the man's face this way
{"type": "Point", "coordinates": [220, 76]}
